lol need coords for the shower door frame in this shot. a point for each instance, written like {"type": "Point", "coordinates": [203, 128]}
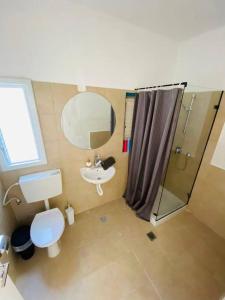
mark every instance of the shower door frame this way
{"type": "Point", "coordinates": [154, 216]}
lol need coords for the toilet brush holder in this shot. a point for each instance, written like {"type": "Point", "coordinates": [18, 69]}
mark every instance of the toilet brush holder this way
{"type": "Point", "coordinates": [70, 215]}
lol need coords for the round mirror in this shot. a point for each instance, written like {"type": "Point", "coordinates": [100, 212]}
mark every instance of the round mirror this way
{"type": "Point", "coordinates": [88, 120]}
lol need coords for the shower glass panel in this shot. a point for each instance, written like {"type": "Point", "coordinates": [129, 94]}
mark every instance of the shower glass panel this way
{"type": "Point", "coordinates": [195, 121]}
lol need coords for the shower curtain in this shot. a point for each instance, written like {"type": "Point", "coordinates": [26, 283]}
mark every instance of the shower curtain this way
{"type": "Point", "coordinates": [154, 123]}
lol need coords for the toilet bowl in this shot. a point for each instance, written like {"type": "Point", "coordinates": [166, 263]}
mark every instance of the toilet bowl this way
{"type": "Point", "coordinates": [46, 230]}
{"type": "Point", "coordinates": [47, 226]}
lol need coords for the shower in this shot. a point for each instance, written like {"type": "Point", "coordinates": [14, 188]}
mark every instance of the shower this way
{"type": "Point", "coordinates": [195, 121]}
{"type": "Point", "coordinates": [188, 110]}
{"type": "Point", "coordinates": [179, 149]}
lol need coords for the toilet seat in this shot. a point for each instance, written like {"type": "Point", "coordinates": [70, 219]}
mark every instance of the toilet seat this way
{"type": "Point", "coordinates": [47, 228]}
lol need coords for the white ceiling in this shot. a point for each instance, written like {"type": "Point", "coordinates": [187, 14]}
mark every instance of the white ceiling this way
{"type": "Point", "coordinates": [176, 19]}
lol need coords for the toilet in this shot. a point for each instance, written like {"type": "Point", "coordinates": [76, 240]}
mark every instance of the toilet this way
{"type": "Point", "coordinates": [47, 226]}
{"type": "Point", "coordinates": [46, 230]}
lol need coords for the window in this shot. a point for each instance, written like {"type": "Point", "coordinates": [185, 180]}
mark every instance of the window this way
{"type": "Point", "coordinates": [21, 144]}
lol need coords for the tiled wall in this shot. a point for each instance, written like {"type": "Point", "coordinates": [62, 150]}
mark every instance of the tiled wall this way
{"type": "Point", "coordinates": [181, 172]}
{"type": "Point", "coordinates": [208, 197]}
{"type": "Point", "coordinates": [50, 100]}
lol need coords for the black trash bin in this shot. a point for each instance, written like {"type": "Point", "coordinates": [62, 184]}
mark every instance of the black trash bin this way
{"type": "Point", "coordinates": [22, 243]}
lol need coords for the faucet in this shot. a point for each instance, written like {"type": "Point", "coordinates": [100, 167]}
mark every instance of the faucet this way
{"type": "Point", "coordinates": [97, 160]}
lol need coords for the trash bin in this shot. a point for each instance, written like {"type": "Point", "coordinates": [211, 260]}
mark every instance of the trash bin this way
{"type": "Point", "coordinates": [22, 243]}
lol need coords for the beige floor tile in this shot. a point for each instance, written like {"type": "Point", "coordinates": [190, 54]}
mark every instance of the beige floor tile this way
{"type": "Point", "coordinates": [197, 277]}
{"type": "Point", "coordinates": [112, 281]}
{"type": "Point", "coordinates": [107, 255]}
{"type": "Point", "coordinates": [142, 293]}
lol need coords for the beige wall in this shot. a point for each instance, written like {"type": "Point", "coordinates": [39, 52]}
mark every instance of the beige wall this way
{"type": "Point", "coordinates": [208, 198]}
{"type": "Point", "coordinates": [50, 100]}
{"type": "Point", "coordinates": [7, 225]}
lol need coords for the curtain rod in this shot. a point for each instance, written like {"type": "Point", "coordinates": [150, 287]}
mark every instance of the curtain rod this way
{"type": "Point", "coordinates": [163, 85]}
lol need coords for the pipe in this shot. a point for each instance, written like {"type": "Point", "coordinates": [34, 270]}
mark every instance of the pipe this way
{"type": "Point", "coordinates": [4, 202]}
{"type": "Point", "coordinates": [188, 114]}
{"type": "Point", "coordinates": [99, 189]}
{"type": "Point", "coordinates": [163, 85]}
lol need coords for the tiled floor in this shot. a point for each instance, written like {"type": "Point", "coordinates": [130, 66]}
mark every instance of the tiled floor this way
{"type": "Point", "coordinates": [114, 259]}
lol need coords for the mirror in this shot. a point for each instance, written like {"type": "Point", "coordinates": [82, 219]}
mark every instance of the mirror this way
{"type": "Point", "coordinates": [88, 120]}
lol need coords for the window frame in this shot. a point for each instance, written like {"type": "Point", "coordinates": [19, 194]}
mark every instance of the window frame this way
{"type": "Point", "coordinates": [26, 85]}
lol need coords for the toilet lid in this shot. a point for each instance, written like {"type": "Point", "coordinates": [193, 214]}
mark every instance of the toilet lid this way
{"type": "Point", "coordinates": [47, 227]}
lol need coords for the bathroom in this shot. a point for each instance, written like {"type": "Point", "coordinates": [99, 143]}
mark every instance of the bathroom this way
{"type": "Point", "coordinates": [65, 53]}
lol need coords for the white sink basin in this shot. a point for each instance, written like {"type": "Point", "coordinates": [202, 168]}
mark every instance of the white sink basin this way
{"type": "Point", "coordinates": [97, 175]}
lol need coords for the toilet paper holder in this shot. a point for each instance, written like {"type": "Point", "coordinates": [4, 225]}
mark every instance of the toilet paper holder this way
{"type": "Point", "coordinates": [4, 244]}
{"type": "Point", "coordinates": [4, 266]}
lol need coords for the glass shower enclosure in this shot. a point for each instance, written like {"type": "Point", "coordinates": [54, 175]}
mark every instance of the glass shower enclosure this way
{"type": "Point", "coordinates": [197, 114]}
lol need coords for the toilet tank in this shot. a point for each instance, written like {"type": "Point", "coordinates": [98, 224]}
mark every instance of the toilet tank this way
{"type": "Point", "coordinates": [41, 186]}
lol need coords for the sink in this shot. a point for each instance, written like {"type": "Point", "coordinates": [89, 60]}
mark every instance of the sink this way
{"type": "Point", "coordinates": [97, 175]}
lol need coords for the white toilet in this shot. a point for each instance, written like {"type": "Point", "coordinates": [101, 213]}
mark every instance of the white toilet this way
{"type": "Point", "coordinates": [47, 226]}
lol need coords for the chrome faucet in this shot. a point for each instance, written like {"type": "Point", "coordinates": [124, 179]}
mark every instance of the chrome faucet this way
{"type": "Point", "coordinates": [97, 160]}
